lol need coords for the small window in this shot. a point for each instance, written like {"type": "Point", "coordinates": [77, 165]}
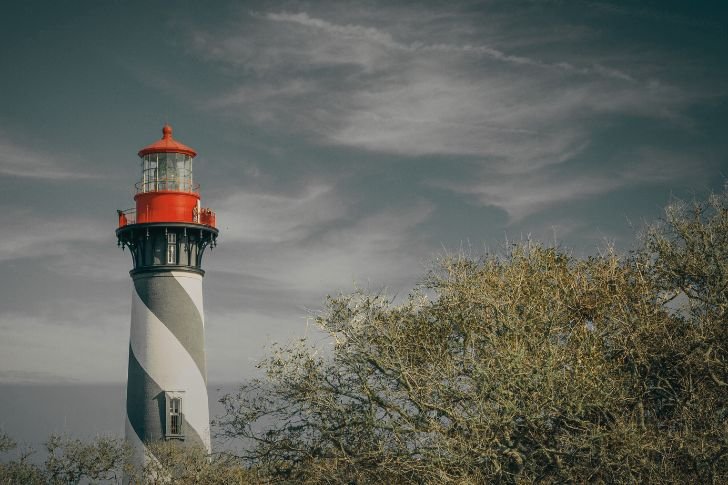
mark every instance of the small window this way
{"type": "Point", "coordinates": [175, 415]}
{"type": "Point", "coordinates": [171, 248]}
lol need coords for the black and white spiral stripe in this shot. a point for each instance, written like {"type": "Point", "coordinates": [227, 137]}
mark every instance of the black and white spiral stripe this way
{"type": "Point", "coordinates": [166, 353]}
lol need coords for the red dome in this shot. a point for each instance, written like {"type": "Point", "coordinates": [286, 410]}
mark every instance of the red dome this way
{"type": "Point", "coordinates": [167, 145]}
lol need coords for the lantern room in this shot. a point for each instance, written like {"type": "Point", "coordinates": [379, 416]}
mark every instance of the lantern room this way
{"type": "Point", "coordinates": [166, 191]}
{"type": "Point", "coordinates": [166, 165]}
{"type": "Point", "coordinates": [166, 171]}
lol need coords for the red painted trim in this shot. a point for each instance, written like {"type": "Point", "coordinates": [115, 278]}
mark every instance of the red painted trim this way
{"type": "Point", "coordinates": [166, 206]}
{"type": "Point", "coordinates": [167, 145]}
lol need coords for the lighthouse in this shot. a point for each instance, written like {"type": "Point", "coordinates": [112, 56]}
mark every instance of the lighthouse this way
{"type": "Point", "coordinates": [166, 233]}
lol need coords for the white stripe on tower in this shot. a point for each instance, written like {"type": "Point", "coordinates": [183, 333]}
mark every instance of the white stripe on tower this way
{"type": "Point", "coordinates": [166, 361]}
{"type": "Point", "coordinates": [192, 284]}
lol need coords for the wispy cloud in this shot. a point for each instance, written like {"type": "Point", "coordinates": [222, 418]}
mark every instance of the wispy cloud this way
{"type": "Point", "coordinates": [422, 98]}
{"type": "Point", "coordinates": [528, 194]}
{"type": "Point", "coordinates": [376, 83]}
{"type": "Point", "coordinates": [314, 244]}
{"type": "Point", "coordinates": [359, 34]}
{"type": "Point", "coordinates": [351, 31]}
{"type": "Point", "coordinates": [29, 235]}
{"type": "Point", "coordinates": [523, 196]}
{"type": "Point", "coordinates": [274, 217]}
{"type": "Point", "coordinates": [19, 160]}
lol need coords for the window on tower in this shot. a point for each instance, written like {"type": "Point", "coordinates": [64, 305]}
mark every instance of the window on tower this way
{"type": "Point", "coordinates": [175, 416]}
{"type": "Point", "coordinates": [171, 248]}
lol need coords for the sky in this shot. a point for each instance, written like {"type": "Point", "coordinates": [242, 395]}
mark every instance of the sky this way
{"type": "Point", "coordinates": [342, 145]}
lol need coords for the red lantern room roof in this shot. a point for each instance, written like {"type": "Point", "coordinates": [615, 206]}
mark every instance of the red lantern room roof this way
{"type": "Point", "coordinates": [167, 145]}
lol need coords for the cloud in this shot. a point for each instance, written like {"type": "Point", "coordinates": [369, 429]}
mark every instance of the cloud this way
{"type": "Point", "coordinates": [377, 248]}
{"type": "Point", "coordinates": [528, 194]}
{"type": "Point", "coordinates": [523, 196]}
{"type": "Point", "coordinates": [437, 113]}
{"type": "Point", "coordinates": [19, 160]}
{"type": "Point", "coordinates": [358, 85]}
{"type": "Point", "coordinates": [315, 243]}
{"type": "Point", "coordinates": [30, 235]}
{"type": "Point", "coordinates": [508, 95]}
{"type": "Point", "coordinates": [350, 31]}
{"type": "Point", "coordinates": [272, 218]}
{"type": "Point", "coordinates": [356, 35]}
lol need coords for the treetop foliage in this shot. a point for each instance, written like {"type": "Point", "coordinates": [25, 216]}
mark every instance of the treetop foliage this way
{"type": "Point", "coordinates": [532, 366]}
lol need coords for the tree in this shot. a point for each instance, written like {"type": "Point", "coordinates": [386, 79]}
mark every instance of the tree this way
{"type": "Point", "coordinates": [170, 463]}
{"type": "Point", "coordinates": [19, 470]}
{"type": "Point", "coordinates": [68, 461]}
{"type": "Point", "coordinates": [533, 366]}
{"type": "Point", "coordinates": [106, 460]}
{"type": "Point", "coordinates": [687, 257]}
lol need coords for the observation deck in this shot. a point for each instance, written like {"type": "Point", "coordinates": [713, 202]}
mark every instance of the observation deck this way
{"type": "Point", "coordinates": [203, 216]}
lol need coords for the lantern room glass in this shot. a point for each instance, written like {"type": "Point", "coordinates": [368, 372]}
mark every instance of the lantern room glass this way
{"type": "Point", "coordinates": [166, 171]}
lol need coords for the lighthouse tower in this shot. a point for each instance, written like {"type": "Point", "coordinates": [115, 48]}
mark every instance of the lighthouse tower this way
{"type": "Point", "coordinates": [167, 233]}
